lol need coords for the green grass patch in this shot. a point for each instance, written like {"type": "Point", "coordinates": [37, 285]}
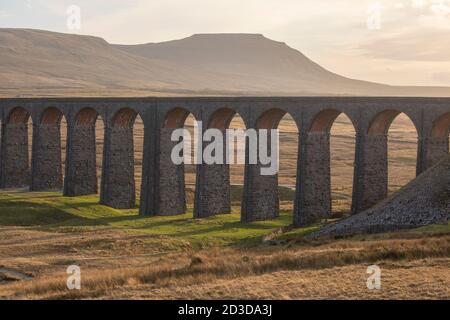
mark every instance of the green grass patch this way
{"type": "Point", "coordinates": [285, 193]}
{"type": "Point", "coordinates": [435, 229]}
{"type": "Point", "coordinates": [52, 211]}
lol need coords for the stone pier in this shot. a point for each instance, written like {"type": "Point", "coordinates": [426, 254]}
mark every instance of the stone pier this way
{"type": "Point", "coordinates": [118, 185]}
{"type": "Point", "coordinates": [315, 181]}
{"type": "Point", "coordinates": [15, 168]}
{"type": "Point", "coordinates": [163, 185]}
{"type": "Point", "coordinates": [371, 177]}
{"type": "Point", "coordinates": [46, 160]}
{"type": "Point", "coordinates": [172, 197]}
{"type": "Point", "coordinates": [81, 156]}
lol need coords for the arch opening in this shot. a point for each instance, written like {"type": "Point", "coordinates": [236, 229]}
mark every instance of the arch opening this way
{"type": "Point", "coordinates": [324, 120]}
{"type": "Point", "coordinates": [86, 117]}
{"type": "Point", "coordinates": [85, 163]}
{"type": "Point", "coordinates": [270, 119]}
{"type": "Point", "coordinates": [222, 118]}
{"type": "Point", "coordinates": [17, 142]}
{"type": "Point", "coordinates": [382, 122]}
{"type": "Point", "coordinates": [342, 156]}
{"type": "Point", "coordinates": [122, 173]}
{"type": "Point", "coordinates": [284, 182]}
{"type": "Point", "coordinates": [176, 118]}
{"type": "Point", "coordinates": [177, 185]}
{"type": "Point", "coordinates": [287, 174]}
{"type": "Point", "coordinates": [18, 116]}
{"type": "Point", "coordinates": [401, 138]}
{"type": "Point", "coordinates": [188, 122]}
{"type": "Point", "coordinates": [228, 119]}
{"type": "Point", "coordinates": [48, 163]}
{"type": "Point", "coordinates": [325, 187]}
{"type": "Point", "coordinates": [124, 118]}
{"type": "Point", "coordinates": [138, 147]}
{"type": "Point", "coordinates": [51, 116]}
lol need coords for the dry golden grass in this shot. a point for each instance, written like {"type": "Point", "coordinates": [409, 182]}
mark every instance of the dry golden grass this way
{"type": "Point", "coordinates": [115, 264]}
{"type": "Point", "coordinates": [348, 282]}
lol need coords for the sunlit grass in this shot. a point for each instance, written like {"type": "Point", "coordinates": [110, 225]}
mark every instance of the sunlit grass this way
{"type": "Point", "coordinates": [50, 210]}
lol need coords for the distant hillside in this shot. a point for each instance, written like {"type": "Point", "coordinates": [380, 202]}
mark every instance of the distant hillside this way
{"type": "Point", "coordinates": [235, 64]}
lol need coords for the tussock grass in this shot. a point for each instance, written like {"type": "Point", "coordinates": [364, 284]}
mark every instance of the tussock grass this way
{"type": "Point", "coordinates": [208, 266]}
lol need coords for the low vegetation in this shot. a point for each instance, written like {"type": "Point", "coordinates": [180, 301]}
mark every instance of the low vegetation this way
{"type": "Point", "coordinates": [123, 255]}
{"type": "Point", "coordinates": [51, 211]}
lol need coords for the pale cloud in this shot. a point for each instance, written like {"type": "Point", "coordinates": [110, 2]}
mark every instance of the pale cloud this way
{"type": "Point", "coordinates": [411, 41]}
{"type": "Point", "coordinates": [4, 14]}
{"type": "Point", "coordinates": [164, 20]}
{"type": "Point", "coordinates": [442, 77]}
{"type": "Point", "coordinates": [417, 45]}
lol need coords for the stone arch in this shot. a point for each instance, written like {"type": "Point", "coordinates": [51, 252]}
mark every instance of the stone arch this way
{"type": "Point", "coordinates": [384, 167]}
{"type": "Point", "coordinates": [175, 118]}
{"type": "Point", "coordinates": [47, 167]}
{"type": "Point", "coordinates": [316, 180]}
{"type": "Point", "coordinates": [221, 118]}
{"type": "Point", "coordinates": [371, 183]}
{"type": "Point", "coordinates": [15, 160]}
{"type": "Point", "coordinates": [325, 119]}
{"type": "Point", "coordinates": [176, 182]}
{"type": "Point", "coordinates": [118, 171]}
{"type": "Point", "coordinates": [270, 119]}
{"type": "Point", "coordinates": [437, 142]}
{"type": "Point", "coordinates": [441, 126]}
{"type": "Point", "coordinates": [18, 115]}
{"type": "Point", "coordinates": [262, 198]}
{"type": "Point", "coordinates": [86, 117]}
{"type": "Point", "coordinates": [214, 190]}
{"type": "Point", "coordinates": [51, 116]}
{"type": "Point", "coordinates": [124, 118]}
{"type": "Point", "coordinates": [84, 143]}
{"type": "Point", "coordinates": [382, 121]}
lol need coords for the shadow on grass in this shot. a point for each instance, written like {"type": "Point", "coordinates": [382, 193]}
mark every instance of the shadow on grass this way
{"type": "Point", "coordinates": [53, 211]}
{"type": "Point", "coordinates": [24, 213]}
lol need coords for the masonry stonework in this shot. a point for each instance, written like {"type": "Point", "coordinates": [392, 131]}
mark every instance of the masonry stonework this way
{"type": "Point", "coordinates": [81, 169]}
{"type": "Point", "coordinates": [46, 158]}
{"type": "Point", "coordinates": [163, 184]}
{"type": "Point", "coordinates": [372, 175]}
{"type": "Point", "coordinates": [315, 180]}
{"type": "Point", "coordinates": [172, 198]}
{"type": "Point", "coordinates": [15, 169]}
{"type": "Point", "coordinates": [118, 184]}
{"type": "Point", "coordinates": [213, 187]}
{"type": "Point", "coordinates": [436, 149]}
{"type": "Point", "coordinates": [261, 199]}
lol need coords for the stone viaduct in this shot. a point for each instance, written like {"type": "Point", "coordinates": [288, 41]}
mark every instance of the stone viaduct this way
{"type": "Point", "coordinates": [163, 190]}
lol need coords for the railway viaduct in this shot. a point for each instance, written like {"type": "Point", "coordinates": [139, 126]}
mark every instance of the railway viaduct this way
{"type": "Point", "coordinates": [162, 188]}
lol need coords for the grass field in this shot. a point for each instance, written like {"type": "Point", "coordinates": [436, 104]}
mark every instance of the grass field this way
{"type": "Point", "coordinates": [51, 211]}
{"type": "Point", "coordinates": [125, 256]}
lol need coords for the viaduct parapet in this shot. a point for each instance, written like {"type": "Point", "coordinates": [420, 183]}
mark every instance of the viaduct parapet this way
{"type": "Point", "coordinates": [163, 186]}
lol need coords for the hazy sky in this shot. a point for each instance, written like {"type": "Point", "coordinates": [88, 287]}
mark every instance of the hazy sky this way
{"type": "Point", "coordinates": [396, 42]}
